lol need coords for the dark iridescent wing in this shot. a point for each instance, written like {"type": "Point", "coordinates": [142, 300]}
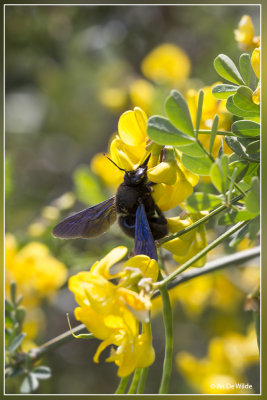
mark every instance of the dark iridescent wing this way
{"type": "Point", "coordinates": [87, 223]}
{"type": "Point", "coordinates": [144, 241]}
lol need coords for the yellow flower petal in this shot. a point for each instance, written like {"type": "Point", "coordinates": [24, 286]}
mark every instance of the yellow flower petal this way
{"type": "Point", "coordinates": [256, 96]}
{"type": "Point", "coordinates": [178, 247]}
{"type": "Point", "coordinates": [103, 266]}
{"type": "Point", "coordinates": [132, 127]}
{"type": "Point", "coordinates": [148, 266]}
{"type": "Point", "coordinates": [256, 61]}
{"type": "Point", "coordinates": [164, 172]}
{"type": "Point", "coordinates": [169, 196]}
{"type": "Point", "coordinates": [108, 172]}
{"type": "Point", "coordinates": [245, 33]}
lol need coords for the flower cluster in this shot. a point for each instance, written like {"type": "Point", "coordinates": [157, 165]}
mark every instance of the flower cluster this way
{"type": "Point", "coordinates": [113, 312]}
{"type": "Point", "coordinates": [228, 357]}
{"type": "Point", "coordinates": [38, 276]}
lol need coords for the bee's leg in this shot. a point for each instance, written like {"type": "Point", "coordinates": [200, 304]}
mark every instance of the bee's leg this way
{"type": "Point", "coordinates": [158, 224]}
{"type": "Point", "coordinates": [150, 183]}
{"type": "Point", "coordinates": [127, 224]}
{"type": "Point", "coordinates": [161, 217]}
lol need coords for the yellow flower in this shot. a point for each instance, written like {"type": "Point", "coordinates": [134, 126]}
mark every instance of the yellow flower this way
{"type": "Point", "coordinates": [113, 98]}
{"type": "Point", "coordinates": [167, 64]}
{"type": "Point", "coordinates": [188, 245]}
{"type": "Point", "coordinates": [37, 273]}
{"type": "Point", "coordinates": [112, 311]}
{"type": "Point", "coordinates": [142, 93]}
{"type": "Point", "coordinates": [227, 359]}
{"type": "Point", "coordinates": [244, 35]}
{"type": "Point", "coordinates": [107, 171]}
{"type": "Point", "coordinates": [256, 65]}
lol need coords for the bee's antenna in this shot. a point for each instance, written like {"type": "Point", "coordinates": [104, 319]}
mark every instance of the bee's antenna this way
{"type": "Point", "coordinates": [114, 163]}
{"type": "Point", "coordinates": [144, 165]}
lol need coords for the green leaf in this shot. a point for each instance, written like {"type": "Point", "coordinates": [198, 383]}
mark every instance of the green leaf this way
{"type": "Point", "coordinates": [219, 172]}
{"type": "Point", "coordinates": [232, 182]}
{"type": "Point", "coordinates": [239, 149]}
{"type": "Point", "coordinates": [244, 67]}
{"type": "Point", "coordinates": [199, 109]}
{"type": "Point", "coordinates": [13, 292]}
{"type": "Point", "coordinates": [8, 306]}
{"type": "Point", "coordinates": [254, 228]}
{"type": "Point", "coordinates": [29, 384]}
{"type": "Point", "coordinates": [162, 131]}
{"type": "Point", "coordinates": [253, 147]}
{"type": "Point", "coordinates": [223, 91]}
{"type": "Point", "coordinates": [234, 216]}
{"type": "Point", "coordinates": [246, 128]}
{"type": "Point", "coordinates": [193, 150]}
{"type": "Point", "coordinates": [227, 69]}
{"type": "Point", "coordinates": [42, 372]}
{"type": "Point", "coordinates": [252, 199]}
{"type": "Point", "coordinates": [87, 186]}
{"type": "Point", "coordinates": [200, 165]}
{"type": "Point", "coordinates": [253, 170]}
{"type": "Point", "coordinates": [202, 201]}
{"type": "Point", "coordinates": [232, 108]}
{"type": "Point", "coordinates": [16, 342]}
{"type": "Point", "coordinates": [243, 100]}
{"type": "Point", "coordinates": [20, 314]}
{"type": "Point", "coordinates": [213, 132]}
{"type": "Point", "coordinates": [178, 112]}
{"type": "Point", "coordinates": [242, 168]}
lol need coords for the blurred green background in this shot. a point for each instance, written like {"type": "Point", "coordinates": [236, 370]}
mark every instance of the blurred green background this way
{"type": "Point", "coordinates": [58, 62]}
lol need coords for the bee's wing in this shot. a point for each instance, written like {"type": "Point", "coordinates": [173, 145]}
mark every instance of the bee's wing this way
{"type": "Point", "coordinates": [144, 241]}
{"type": "Point", "coordinates": [87, 223]}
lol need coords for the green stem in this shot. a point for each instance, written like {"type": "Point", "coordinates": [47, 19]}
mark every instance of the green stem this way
{"type": "Point", "coordinates": [122, 385]}
{"type": "Point", "coordinates": [224, 133]}
{"type": "Point", "coordinates": [238, 188]}
{"type": "Point", "coordinates": [205, 150]}
{"type": "Point", "coordinates": [212, 159]}
{"type": "Point", "coordinates": [142, 381]}
{"type": "Point", "coordinates": [135, 381]}
{"type": "Point", "coordinates": [202, 253]}
{"type": "Point", "coordinates": [199, 222]}
{"type": "Point", "coordinates": [167, 317]}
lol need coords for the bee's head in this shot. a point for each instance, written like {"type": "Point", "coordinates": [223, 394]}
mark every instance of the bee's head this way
{"type": "Point", "coordinates": [137, 176]}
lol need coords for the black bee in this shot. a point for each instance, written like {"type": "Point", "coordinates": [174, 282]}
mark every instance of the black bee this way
{"type": "Point", "coordinates": [138, 215]}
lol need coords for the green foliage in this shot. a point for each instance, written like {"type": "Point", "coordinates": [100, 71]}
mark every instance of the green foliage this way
{"type": "Point", "coordinates": [199, 201]}
{"type": "Point", "coordinates": [14, 318]}
{"type": "Point", "coordinates": [227, 69]}
{"type": "Point", "coordinates": [178, 113]}
{"type": "Point", "coordinates": [162, 131]}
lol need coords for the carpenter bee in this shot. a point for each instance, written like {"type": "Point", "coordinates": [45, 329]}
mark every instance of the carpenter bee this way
{"type": "Point", "coordinates": [138, 215]}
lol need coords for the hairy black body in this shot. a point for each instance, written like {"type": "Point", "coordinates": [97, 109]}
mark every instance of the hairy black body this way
{"type": "Point", "coordinates": [127, 200]}
{"type": "Point", "coordinates": [133, 193]}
